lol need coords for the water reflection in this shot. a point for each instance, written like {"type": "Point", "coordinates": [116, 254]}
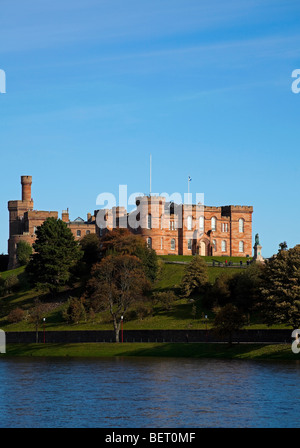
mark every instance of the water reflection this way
{"type": "Point", "coordinates": [137, 393]}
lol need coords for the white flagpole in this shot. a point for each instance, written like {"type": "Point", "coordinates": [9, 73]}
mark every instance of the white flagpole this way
{"type": "Point", "coordinates": [150, 172]}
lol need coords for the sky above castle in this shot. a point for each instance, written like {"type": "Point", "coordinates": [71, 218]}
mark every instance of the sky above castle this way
{"type": "Point", "coordinates": [94, 87]}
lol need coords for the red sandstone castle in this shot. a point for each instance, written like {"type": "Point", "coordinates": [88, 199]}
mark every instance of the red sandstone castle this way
{"type": "Point", "coordinates": [167, 227]}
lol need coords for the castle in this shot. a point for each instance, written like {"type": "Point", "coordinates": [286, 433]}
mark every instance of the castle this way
{"type": "Point", "coordinates": [180, 229]}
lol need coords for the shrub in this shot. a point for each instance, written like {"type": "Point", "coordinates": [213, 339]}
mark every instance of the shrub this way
{"type": "Point", "coordinates": [16, 315]}
{"type": "Point", "coordinates": [11, 283]}
{"type": "Point", "coordinates": [75, 311]}
{"type": "Point", "coordinates": [165, 299]}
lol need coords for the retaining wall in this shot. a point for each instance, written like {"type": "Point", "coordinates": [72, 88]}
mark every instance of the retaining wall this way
{"type": "Point", "coordinates": [263, 336]}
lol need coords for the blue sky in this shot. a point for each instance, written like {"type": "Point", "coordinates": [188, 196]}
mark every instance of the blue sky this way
{"type": "Point", "coordinates": [94, 87]}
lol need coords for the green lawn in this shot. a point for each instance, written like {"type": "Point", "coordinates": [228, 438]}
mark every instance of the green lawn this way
{"type": "Point", "coordinates": [178, 350]}
{"type": "Point", "coordinates": [208, 259]}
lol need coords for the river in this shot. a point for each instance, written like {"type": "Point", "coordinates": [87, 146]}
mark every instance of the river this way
{"type": "Point", "coordinates": [148, 393]}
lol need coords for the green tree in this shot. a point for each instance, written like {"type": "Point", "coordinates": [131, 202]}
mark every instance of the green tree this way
{"type": "Point", "coordinates": [195, 278]}
{"type": "Point", "coordinates": [90, 245]}
{"type": "Point", "coordinates": [56, 252]}
{"type": "Point", "coordinates": [228, 320]}
{"type": "Point", "coordinates": [24, 252]}
{"type": "Point", "coordinates": [75, 311]}
{"type": "Point", "coordinates": [117, 283]}
{"type": "Point", "coordinates": [244, 287]}
{"type": "Point", "coordinates": [280, 289]}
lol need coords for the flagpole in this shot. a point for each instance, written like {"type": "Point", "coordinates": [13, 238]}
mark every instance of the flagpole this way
{"type": "Point", "coordinates": [150, 172]}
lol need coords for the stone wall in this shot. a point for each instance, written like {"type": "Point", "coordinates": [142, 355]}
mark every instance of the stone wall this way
{"type": "Point", "coordinates": [257, 336]}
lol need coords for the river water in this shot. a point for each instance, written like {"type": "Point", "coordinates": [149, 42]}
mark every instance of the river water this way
{"type": "Point", "coordinates": [148, 393]}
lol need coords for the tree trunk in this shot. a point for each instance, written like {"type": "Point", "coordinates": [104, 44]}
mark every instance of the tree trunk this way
{"type": "Point", "coordinates": [117, 330]}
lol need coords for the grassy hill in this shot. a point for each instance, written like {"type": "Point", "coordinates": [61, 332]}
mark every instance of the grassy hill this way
{"type": "Point", "coordinates": [180, 316]}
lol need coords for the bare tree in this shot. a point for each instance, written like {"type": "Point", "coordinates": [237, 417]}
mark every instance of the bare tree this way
{"type": "Point", "coordinates": [116, 283]}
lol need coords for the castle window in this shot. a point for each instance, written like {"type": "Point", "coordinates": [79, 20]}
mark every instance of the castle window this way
{"type": "Point", "coordinates": [173, 244]}
{"type": "Point", "coordinates": [149, 222]}
{"type": "Point", "coordinates": [213, 224]}
{"type": "Point", "coordinates": [223, 246]}
{"type": "Point", "coordinates": [214, 245]}
{"type": "Point", "coordinates": [172, 225]}
{"type": "Point", "coordinates": [241, 225]}
{"type": "Point", "coordinates": [241, 246]}
{"type": "Point", "coordinates": [224, 227]}
{"type": "Point", "coordinates": [149, 242]}
{"type": "Point", "coordinates": [87, 232]}
{"type": "Point", "coordinates": [78, 232]}
{"type": "Point", "coordinates": [189, 223]}
{"type": "Point", "coordinates": [201, 223]}
{"type": "Point", "coordinates": [189, 244]}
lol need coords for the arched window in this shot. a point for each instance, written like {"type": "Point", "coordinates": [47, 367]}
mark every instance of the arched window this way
{"type": "Point", "coordinates": [241, 225]}
{"type": "Point", "coordinates": [223, 246]}
{"type": "Point", "coordinates": [214, 245]}
{"type": "Point", "coordinates": [149, 222]}
{"type": "Point", "coordinates": [241, 246]}
{"type": "Point", "coordinates": [173, 244]}
{"type": "Point", "coordinates": [189, 223]}
{"type": "Point", "coordinates": [213, 223]}
{"type": "Point", "coordinates": [149, 242]}
{"type": "Point", "coordinates": [201, 223]}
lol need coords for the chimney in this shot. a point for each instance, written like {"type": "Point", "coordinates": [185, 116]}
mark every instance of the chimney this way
{"type": "Point", "coordinates": [65, 215]}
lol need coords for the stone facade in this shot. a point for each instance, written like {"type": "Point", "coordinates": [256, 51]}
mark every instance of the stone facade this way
{"type": "Point", "coordinates": [184, 229]}
{"type": "Point", "coordinates": [167, 227]}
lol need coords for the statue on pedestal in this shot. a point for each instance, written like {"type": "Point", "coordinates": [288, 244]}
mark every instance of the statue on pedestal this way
{"type": "Point", "coordinates": [257, 250]}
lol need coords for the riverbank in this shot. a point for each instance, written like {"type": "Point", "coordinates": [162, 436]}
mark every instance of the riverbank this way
{"type": "Point", "coordinates": [178, 350]}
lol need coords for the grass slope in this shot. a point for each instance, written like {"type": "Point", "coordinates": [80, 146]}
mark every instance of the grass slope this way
{"type": "Point", "coordinates": [180, 316]}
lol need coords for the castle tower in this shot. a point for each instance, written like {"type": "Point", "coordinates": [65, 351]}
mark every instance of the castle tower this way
{"type": "Point", "coordinates": [17, 210]}
{"type": "Point", "coordinates": [26, 182]}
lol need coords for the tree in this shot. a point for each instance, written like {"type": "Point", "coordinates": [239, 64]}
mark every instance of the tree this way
{"type": "Point", "coordinates": [36, 314]}
{"type": "Point", "coordinates": [122, 241]}
{"type": "Point", "coordinates": [24, 252]}
{"type": "Point", "coordinates": [56, 252]}
{"type": "Point", "coordinates": [75, 310]}
{"type": "Point", "coordinates": [116, 283]}
{"type": "Point", "coordinates": [228, 320]}
{"type": "Point", "coordinates": [90, 245]}
{"type": "Point", "coordinates": [280, 289]}
{"type": "Point", "coordinates": [16, 315]}
{"type": "Point", "coordinates": [165, 298]}
{"type": "Point", "coordinates": [244, 287]}
{"type": "Point", "coordinates": [195, 278]}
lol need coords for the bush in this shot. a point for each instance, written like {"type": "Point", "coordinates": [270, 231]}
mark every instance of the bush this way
{"type": "Point", "coordinates": [75, 311]}
{"type": "Point", "coordinates": [16, 315]}
{"type": "Point", "coordinates": [11, 283]}
{"type": "Point", "coordinates": [165, 299]}
{"type": "Point", "coordinates": [140, 312]}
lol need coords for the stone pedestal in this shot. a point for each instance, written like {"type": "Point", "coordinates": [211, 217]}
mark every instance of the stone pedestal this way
{"type": "Point", "coordinates": [257, 253]}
